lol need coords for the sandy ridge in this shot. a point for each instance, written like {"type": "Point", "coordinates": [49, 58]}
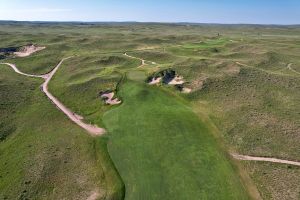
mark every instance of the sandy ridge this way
{"type": "Point", "coordinates": [264, 159]}
{"type": "Point", "coordinates": [91, 129]}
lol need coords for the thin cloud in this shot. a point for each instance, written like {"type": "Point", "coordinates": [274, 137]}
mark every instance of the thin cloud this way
{"type": "Point", "coordinates": [40, 10]}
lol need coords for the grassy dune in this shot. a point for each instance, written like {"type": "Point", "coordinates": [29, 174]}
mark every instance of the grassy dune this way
{"type": "Point", "coordinates": [159, 145]}
{"type": "Point", "coordinates": [41, 148]}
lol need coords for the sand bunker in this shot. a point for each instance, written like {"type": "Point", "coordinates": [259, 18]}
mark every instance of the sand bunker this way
{"type": "Point", "coordinates": [109, 98]}
{"type": "Point", "coordinates": [28, 50]}
{"type": "Point", "coordinates": [169, 77]}
{"type": "Point", "coordinates": [155, 81]}
{"type": "Point", "coordinates": [186, 90]}
{"type": "Point", "coordinates": [178, 80]}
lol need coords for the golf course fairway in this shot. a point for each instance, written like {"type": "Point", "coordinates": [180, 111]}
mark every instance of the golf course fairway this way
{"type": "Point", "coordinates": [162, 150]}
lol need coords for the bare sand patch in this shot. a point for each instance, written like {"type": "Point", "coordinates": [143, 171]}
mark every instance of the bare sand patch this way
{"type": "Point", "coordinates": [264, 159]}
{"type": "Point", "coordinates": [155, 81]}
{"type": "Point", "coordinates": [109, 98]}
{"type": "Point", "coordinates": [186, 90]}
{"type": "Point", "coordinates": [28, 50]}
{"type": "Point", "coordinates": [177, 80]}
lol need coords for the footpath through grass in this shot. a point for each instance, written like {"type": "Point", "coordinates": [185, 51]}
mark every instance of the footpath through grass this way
{"type": "Point", "coordinates": [43, 155]}
{"type": "Point", "coordinates": [163, 151]}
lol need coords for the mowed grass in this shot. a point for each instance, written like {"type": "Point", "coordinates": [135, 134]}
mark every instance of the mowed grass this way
{"type": "Point", "coordinates": [163, 151]}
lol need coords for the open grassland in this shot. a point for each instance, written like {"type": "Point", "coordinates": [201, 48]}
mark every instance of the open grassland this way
{"type": "Point", "coordinates": [276, 181]}
{"type": "Point", "coordinates": [245, 91]}
{"type": "Point", "coordinates": [40, 157]}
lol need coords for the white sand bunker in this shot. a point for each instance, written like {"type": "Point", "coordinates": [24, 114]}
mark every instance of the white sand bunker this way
{"type": "Point", "coordinates": [186, 90]}
{"type": "Point", "coordinates": [155, 81]}
{"type": "Point", "coordinates": [169, 77]}
{"type": "Point", "coordinates": [109, 98]}
{"type": "Point", "coordinates": [28, 50]}
{"type": "Point", "coordinates": [177, 80]}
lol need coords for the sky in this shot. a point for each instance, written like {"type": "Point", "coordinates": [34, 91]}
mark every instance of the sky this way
{"type": "Point", "coordinates": [200, 11]}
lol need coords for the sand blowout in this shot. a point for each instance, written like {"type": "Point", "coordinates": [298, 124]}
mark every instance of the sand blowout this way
{"type": "Point", "coordinates": [169, 77]}
{"type": "Point", "coordinates": [109, 99]}
{"type": "Point", "coordinates": [28, 50]}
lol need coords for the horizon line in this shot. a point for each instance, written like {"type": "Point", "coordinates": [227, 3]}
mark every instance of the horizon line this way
{"type": "Point", "coordinates": [153, 22]}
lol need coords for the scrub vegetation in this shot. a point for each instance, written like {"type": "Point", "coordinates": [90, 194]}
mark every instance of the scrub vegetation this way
{"type": "Point", "coordinates": [161, 143]}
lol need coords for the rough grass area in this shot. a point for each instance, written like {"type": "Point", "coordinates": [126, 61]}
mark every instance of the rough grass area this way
{"type": "Point", "coordinates": [81, 79]}
{"type": "Point", "coordinates": [275, 181]}
{"type": "Point", "coordinates": [175, 155]}
{"type": "Point", "coordinates": [40, 149]}
{"type": "Point", "coordinates": [258, 112]}
{"type": "Point", "coordinates": [162, 150]}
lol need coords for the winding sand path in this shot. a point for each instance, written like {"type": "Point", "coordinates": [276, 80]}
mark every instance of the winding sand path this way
{"type": "Point", "coordinates": [142, 60]}
{"type": "Point", "coordinates": [264, 159]}
{"type": "Point", "coordinates": [289, 66]}
{"type": "Point", "coordinates": [91, 129]}
{"type": "Point", "coordinates": [19, 72]}
{"type": "Point", "coordinates": [96, 131]}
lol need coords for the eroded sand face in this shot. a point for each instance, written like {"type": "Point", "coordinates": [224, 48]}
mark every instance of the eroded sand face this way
{"type": "Point", "coordinates": [109, 98]}
{"type": "Point", "coordinates": [28, 50]}
{"type": "Point", "coordinates": [178, 80]}
{"type": "Point", "coordinates": [186, 90]}
{"type": "Point", "coordinates": [155, 81]}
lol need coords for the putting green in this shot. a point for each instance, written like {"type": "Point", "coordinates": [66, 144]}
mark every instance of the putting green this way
{"type": "Point", "coordinates": [163, 151]}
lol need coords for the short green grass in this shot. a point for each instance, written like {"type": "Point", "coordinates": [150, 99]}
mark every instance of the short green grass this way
{"type": "Point", "coordinates": [163, 151]}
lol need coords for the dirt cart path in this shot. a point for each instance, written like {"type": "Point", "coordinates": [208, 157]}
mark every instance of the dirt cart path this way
{"type": "Point", "coordinates": [91, 129]}
{"type": "Point", "coordinates": [264, 159]}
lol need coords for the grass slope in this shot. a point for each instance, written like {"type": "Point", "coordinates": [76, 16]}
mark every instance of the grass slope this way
{"type": "Point", "coordinates": [163, 151]}
{"type": "Point", "coordinates": [256, 108]}
{"type": "Point", "coordinates": [44, 155]}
